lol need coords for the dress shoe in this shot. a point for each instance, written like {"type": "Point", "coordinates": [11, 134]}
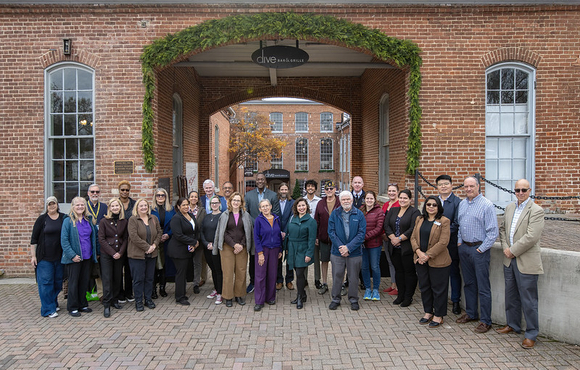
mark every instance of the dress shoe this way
{"type": "Point", "coordinates": [323, 289]}
{"type": "Point", "coordinates": [74, 313]}
{"type": "Point", "coordinates": [86, 309]}
{"type": "Point", "coordinates": [317, 284]}
{"type": "Point", "coordinates": [456, 308]}
{"type": "Point", "coordinates": [399, 300]}
{"type": "Point", "coordinates": [333, 305]}
{"type": "Point", "coordinates": [424, 321]}
{"type": "Point", "coordinates": [435, 324]}
{"type": "Point", "coordinates": [482, 328]}
{"type": "Point", "coordinates": [506, 329]}
{"type": "Point", "coordinates": [162, 291]}
{"type": "Point", "coordinates": [107, 312]}
{"type": "Point", "coordinates": [290, 286]}
{"type": "Point", "coordinates": [271, 302]}
{"type": "Point", "coordinates": [139, 306]}
{"type": "Point", "coordinates": [406, 302]}
{"type": "Point", "coordinates": [464, 318]}
{"type": "Point", "coordinates": [196, 289]}
{"type": "Point", "coordinates": [279, 286]}
{"type": "Point", "coordinates": [241, 301]}
{"type": "Point", "coordinates": [149, 303]}
{"type": "Point", "coordinates": [528, 343]}
{"type": "Point", "coordinates": [343, 290]}
{"type": "Point", "coordinates": [183, 302]}
{"type": "Point", "coordinates": [229, 303]}
{"type": "Point", "coordinates": [354, 306]}
{"type": "Point", "coordinates": [116, 305]}
{"type": "Point", "coordinates": [295, 299]}
{"type": "Point", "coordinates": [258, 307]}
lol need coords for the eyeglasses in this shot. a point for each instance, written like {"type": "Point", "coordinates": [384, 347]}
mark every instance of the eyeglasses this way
{"type": "Point", "coordinates": [94, 191]}
{"type": "Point", "coordinates": [160, 195]}
{"type": "Point", "coordinates": [443, 183]}
{"type": "Point", "coordinates": [431, 204]}
{"type": "Point", "coordinates": [521, 190]}
{"type": "Point", "coordinates": [127, 190]}
{"type": "Point", "coordinates": [329, 188]}
{"type": "Point", "coordinates": [215, 203]}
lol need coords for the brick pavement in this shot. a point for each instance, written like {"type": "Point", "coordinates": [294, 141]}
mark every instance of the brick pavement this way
{"type": "Point", "coordinates": [206, 336]}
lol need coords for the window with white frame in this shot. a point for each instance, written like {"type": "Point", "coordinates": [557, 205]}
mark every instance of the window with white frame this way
{"type": "Point", "coordinates": [509, 128]}
{"type": "Point", "coordinates": [251, 164]}
{"type": "Point", "coordinates": [70, 136]}
{"type": "Point", "coordinates": [326, 124]}
{"type": "Point", "coordinates": [301, 154]}
{"type": "Point", "coordinates": [277, 163]}
{"type": "Point", "coordinates": [277, 120]}
{"type": "Point", "coordinates": [326, 157]}
{"type": "Point", "coordinates": [301, 122]}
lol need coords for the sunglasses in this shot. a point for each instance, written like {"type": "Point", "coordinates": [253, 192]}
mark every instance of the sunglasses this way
{"type": "Point", "coordinates": [521, 190]}
{"type": "Point", "coordinates": [127, 190]}
{"type": "Point", "coordinates": [431, 204]}
{"type": "Point", "coordinates": [94, 191]}
{"type": "Point", "coordinates": [160, 195]}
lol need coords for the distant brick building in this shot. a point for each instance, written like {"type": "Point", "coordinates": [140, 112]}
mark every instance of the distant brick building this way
{"type": "Point", "coordinates": [499, 94]}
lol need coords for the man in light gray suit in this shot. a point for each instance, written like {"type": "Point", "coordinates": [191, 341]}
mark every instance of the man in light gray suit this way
{"type": "Point", "coordinates": [253, 199]}
{"type": "Point", "coordinates": [520, 233]}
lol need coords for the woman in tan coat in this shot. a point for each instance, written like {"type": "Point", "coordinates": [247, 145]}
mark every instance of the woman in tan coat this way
{"type": "Point", "coordinates": [144, 238]}
{"type": "Point", "coordinates": [429, 241]}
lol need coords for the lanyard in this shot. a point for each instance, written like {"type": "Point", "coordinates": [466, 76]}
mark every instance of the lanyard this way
{"type": "Point", "coordinates": [92, 211]}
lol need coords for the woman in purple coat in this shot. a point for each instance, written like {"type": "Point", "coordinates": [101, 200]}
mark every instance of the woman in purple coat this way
{"type": "Point", "coordinates": [268, 241]}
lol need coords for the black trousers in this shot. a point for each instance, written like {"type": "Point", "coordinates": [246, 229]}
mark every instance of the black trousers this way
{"type": "Point", "coordinates": [405, 274]}
{"type": "Point", "coordinates": [142, 272]}
{"type": "Point", "coordinates": [301, 280]}
{"type": "Point", "coordinates": [215, 265]}
{"type": "Point", "coordinates": [79, 274]}
{"type": "Point", "coordinates": [127, 290]}
{"type": "Point", "coordinates": [252, 268]}
{"type": "Point", "coordinates": [180, 277]}
{"type": "Point", "coordinates": [434, 286]}
{"type": "Point", "coordinates": [112, 277]}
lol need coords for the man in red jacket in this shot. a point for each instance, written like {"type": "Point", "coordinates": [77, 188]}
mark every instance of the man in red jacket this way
{"type": "Point", "coordinates": [323, 210]}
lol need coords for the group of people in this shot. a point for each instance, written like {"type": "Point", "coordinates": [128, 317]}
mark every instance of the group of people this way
{"type": "Point", "coordinates": [236, 234]}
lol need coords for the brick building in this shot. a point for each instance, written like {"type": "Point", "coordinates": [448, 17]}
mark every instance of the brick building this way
{"type": "Point", "coordinates": [87, 86]}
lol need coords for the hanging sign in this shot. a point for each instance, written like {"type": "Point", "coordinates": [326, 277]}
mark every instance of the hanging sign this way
{"type": "Point", "coordinates": [280, 57]}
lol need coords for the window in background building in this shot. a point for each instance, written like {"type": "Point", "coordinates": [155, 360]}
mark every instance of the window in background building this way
{"type": "Point", "coordinates": [301, 122]}
{"type": "Point", "coordinates": [326, 124]}
{"type": "Point", "coordinates": [70, 149]}
{"type": "Point", "coordinates": [276, 163]}
{"type": "Point", "coordinates": [509, 128]}
{"type": "Point", "coordinates": [326, 157]}
{"type": "Point", "coordinates": [277, 120]}
{"type": "Point", "coordinates": [301, 154]}
{"type": "Point", "coordinates": [251, 164]}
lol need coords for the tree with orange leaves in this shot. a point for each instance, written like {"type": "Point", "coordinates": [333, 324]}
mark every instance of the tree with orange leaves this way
{"type": "Point", "coordinates": [251, 138]}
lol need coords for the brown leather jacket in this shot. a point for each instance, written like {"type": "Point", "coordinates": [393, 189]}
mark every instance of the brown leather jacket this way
{"type": "Point", "coordinates": [438, 240]}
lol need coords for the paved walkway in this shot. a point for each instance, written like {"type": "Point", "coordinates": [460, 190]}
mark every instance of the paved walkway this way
{"type": "Point", "coordinates": [206, 336]}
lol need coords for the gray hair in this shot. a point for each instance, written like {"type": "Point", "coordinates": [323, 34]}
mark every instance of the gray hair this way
{"type": "Point", "coordinates": [208, 181]}
{"type": "Point", "coordinates": [264, 200]}
{"type": "Point", "coordinates": [345, 193]}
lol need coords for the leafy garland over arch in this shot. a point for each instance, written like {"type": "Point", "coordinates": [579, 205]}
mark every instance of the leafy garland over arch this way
{"type": "Point", "coordinates": [238, 28]}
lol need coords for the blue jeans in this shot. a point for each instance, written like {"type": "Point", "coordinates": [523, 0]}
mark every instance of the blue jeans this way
{"type": "Point", "coordinates": [371, 262]}
{"type": "Point", "coordinates": [475, 269]}
{"type": "Point", "coordinates": [49, 280]}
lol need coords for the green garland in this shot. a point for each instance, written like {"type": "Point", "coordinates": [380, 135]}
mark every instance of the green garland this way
{"type": "Point", "coordinates": [239, 28]}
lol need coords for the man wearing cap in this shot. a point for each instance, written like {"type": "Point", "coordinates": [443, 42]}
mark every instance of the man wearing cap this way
{"type": "Point", "coordinates": [322, 248]}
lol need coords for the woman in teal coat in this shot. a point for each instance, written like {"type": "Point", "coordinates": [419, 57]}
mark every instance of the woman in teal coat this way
{"type": "Point", "coordinates": [299, 244]}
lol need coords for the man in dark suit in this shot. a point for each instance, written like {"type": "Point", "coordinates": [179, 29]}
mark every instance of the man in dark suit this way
{"type": "Point", "coordinates": [450, 204]}
{"type": "Point", "coordinates": [209, 189]}
{"type": "Point", "coordinates": [357, 192]}
{"type": "Point", "coordinates": [252, 199]}
{"type": "Point", "coordinates": [286, 202]}
{"type": "Point", "coordinates": [520, 232]}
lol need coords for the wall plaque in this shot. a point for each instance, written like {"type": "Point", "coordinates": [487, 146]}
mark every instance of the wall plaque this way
{"type": "Point", "coordinates": [124, 167]}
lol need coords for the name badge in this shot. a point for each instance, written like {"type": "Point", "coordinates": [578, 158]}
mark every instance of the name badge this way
{"type": "Point", "coordinates": [437, 223]}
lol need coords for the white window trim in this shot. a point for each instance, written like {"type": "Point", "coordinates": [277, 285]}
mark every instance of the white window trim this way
{"type": "Point", "coordinates": [307, 155]}
{"type": "Point", "coordinates": [331, 154]}
{"type": "Point", "coordinates": [281, 123]}
{"type": "Point", "coordinates": [331, 122]}
{"type": "Point", "coordinates": [296, 124]}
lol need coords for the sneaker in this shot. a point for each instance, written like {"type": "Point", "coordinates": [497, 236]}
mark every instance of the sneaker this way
{"type": "Point", "coordinates": [122, 300]}
{"type": "Point", "coordinates": [53, 315]}
{"type": "Point", "coordinates": [394, 292]}
{"type": "Point", "coordinates": [218, 299]}
{"type": "Point", "coordinates": [213, 294]}
{"type": "Point", "coordinates": [376, 296]}
{"type": "Point", "coordinates": [57, 309]}
{"type": "Point", "coordinates": [130, 298]}
{"type": "Point", "coordinates": [333, 305]}
{"type": "Point", "coordinates": [86, 309]}
{"type": "Point", "coordinates": [354, 306]}
{"type": "Point", "coordinates": [343, 290]}
{"type": "Point", "coordinates": [250, 288]}
{"type": "Point", "coordinates": [323, 289]}
{"type": "Point", "coordinates": [74, 313]}
{"type": "Point", "coordinates": [368, 295]}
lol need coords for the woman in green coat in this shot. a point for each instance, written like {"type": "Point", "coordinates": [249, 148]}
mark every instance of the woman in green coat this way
{"type": "Point", "coordinates": [299, 244]}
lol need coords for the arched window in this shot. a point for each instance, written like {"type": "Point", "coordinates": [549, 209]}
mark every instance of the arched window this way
{"type": "Point", "coordinates": [69, 130]}
{"type": "Point", "coordinates": [277, 120]}
{"type": "Point", "coordinates": [326, 154]}
{"type": "Point", "coordinates": [509, 128]}
{"type": "Point", "coordinates": [301, 154]}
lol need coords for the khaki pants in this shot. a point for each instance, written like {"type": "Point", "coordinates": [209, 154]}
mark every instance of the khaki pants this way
{"type": "Point", "coordinates": [234, 264]}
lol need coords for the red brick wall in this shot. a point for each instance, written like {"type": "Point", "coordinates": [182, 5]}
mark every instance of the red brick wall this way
{"type": "Point", "coordinates": [458, 43]}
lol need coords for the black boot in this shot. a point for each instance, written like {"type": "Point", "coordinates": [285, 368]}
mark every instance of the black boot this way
{"type": "Point", "coordinates": [154, 293]}
{"type": "Point", "coordinates": [162, 290]}
{"type": "Point", "coordinates": [299, 303]}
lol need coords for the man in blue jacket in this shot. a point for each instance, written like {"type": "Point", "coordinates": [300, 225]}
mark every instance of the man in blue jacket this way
{"type": "Point", "coordinates": [346, 228]}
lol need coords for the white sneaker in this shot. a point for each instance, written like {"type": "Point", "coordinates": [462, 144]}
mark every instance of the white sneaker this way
{"type": "Point", "coordinates": [213, 294]}
{"type": "Point", "coordinates": [53, 315]}
{"type": "Point", "coordinates": [57, 309]}
{"type": "Point", "coordinates": [218, 299]}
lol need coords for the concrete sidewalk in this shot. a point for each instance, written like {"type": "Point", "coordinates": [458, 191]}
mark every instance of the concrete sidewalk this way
{"type": "Point", "coordinates": [205, 336]}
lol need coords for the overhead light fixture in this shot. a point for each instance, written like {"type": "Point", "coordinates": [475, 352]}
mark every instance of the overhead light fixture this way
{"type": "Point", "coordinates": [66, 46]}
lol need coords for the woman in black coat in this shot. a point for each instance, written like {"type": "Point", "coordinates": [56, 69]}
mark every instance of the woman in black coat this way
{"type": "Point", "coordinates": [399, 224]}
{"type": "Point", "coordinates": [182, 245]}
